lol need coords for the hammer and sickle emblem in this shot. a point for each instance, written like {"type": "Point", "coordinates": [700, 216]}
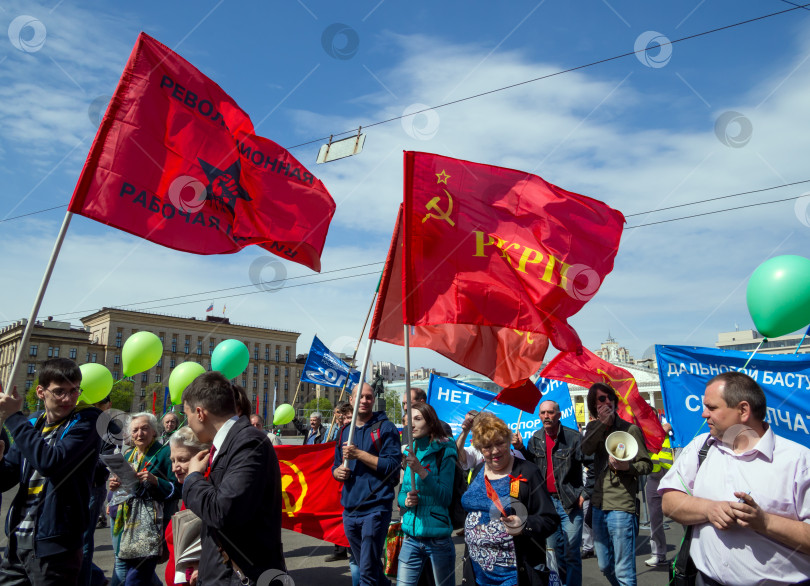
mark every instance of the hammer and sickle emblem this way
{"type": "Point", "coordinates": [291, 505]}
{"type": "Point", "coordinates": [528, 336]}
{"type": "Point", "coordinates": [433, 204]}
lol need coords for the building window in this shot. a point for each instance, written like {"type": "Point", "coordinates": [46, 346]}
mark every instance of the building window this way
{"type": "Point", "coordinates": [265, 385]}
{"type": "Point", "coordinates": [174, 344]}
{"type": "Point", "coordinates": [50, 351]}
{"type": "Point", "coordinates": [115, 374]}
{"type": "Point", "coordinates": [145, 377]}
{"type": "Point", "coordinates": [267, 352]}
{"type": "Point", "coordinates": [143, 393]}
{"type": "Point", "coordinates": [266, 370]}
{"type": "Point", "coordinates": [88, 357]}
{"type": "Point", "coordinates": [277, 353]}
{"type": "Point", "coordinates": [56, 351]}
{"type": "Point", "coordinates": [118, 339]}
{"type": "Point", "coordinates": [94, 357]}
{"type": "Point", "coordinates": [143, 407]}
{"type": "Point", "coordinates": [211, 345]}
{"type": "Point", "coordinates": [255, 384]}
{"type": "Point", "coordinates": [160, 337]}
{"type": "Point", "coordinates": [199, 347]}
{"type": "Point", "coordinates": [256, 353]}
{"type": "Point", "coordinates": [287, 355]}
{"type": "Point", "coordinates": [157, 378]}
{"type": "Point", "coordinates": [33, 350]}
{"type": "Point", "coordinates": [172, 362]}
{"type": "Point", "coordinates": [185, 347]}
{"type": "Point", "coordinates": [276, 370]}
{"type": "Point", "coordinates": [286, 371]}
{"type": "Point", "coordinates": [72, 353]}
{"type": "Point", "coordinates": [286, 386]}
{"type": "Point", "coordinates": [255, 369]}
{"type": "Point", "coordinates": [160, 363]}
{"type": "Point", "coordinates": [32, 368]}
{"type": "Point", "coordinates": [29, 384]}
{"type": "Point", "coordinates": [244, 382]}
{"type": "Point", "coordinates": [254, 397]}
{"type": "Point", "coordinates": [117, 359]}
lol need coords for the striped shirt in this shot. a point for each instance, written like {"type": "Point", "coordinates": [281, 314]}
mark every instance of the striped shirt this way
{"type": "Point", "coordinates": [36, 484]}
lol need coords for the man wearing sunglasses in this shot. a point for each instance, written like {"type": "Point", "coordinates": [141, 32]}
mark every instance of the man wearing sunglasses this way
{"type": "Point", "coordinates": [615, 507]}
{"type": "Point", "coordinates": [53, 461]}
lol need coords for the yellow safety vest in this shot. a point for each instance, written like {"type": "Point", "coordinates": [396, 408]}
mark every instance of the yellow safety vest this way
{"type": "Point", "coordinates": [663, 459]}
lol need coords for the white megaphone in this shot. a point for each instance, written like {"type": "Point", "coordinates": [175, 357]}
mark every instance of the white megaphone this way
{"type": "Point", "coordinates": [622, 446]}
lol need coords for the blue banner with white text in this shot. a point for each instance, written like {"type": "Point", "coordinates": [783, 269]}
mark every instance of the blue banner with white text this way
{"type": "Point", "coordinates": [685, 370]}
{"type": "Point", "coordinates": [324, 368]}
{"type": "Point", "coordinates": [452, 400]}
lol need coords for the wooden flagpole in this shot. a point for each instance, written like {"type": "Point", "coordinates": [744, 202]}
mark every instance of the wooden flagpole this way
{"type": "Point", "coordinates": [357, 401]}
{"type": "Point", "coordinates": [29, 327]}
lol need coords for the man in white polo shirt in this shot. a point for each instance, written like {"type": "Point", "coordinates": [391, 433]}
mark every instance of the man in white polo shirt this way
{"type": "Point", "coordinates": [750, 499]}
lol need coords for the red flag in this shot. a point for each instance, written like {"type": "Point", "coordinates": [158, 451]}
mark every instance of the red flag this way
{"type": "Point", "coordinates": [154, 400]}
{"type": "Point", "coordinates": [498, 247]}
{"type": "Point", "coordinates": [310, 495]}
{"type": "Point", "coordinates": [502, 354]}
{"type": "Point", "coordinates": [587, 369]}
{"type": "Point", "coordinates": [522, 394]}
{"type": "Point", "coordinates": [176, 162]}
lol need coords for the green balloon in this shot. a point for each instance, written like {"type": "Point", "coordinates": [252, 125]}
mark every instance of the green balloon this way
{"type": "Point", "coordinates": [142, 350]}
{"type": "Point", "coordinates": [181, 377]}
{"type": "Point", "coordinates": [97, 382]}
{"type": "Point", "coordinates": [284, 414]}
{"type": "Point", "coordinates": [778, 295]}
{"type": "Point", "coordinates": [231, 358]}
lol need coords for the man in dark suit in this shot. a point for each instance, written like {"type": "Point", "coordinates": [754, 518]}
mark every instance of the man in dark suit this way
{"type": "Point", "coordinates": [235, 489]}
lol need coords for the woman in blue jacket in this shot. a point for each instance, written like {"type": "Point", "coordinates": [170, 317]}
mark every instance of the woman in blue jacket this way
{"type": "Point", "coordinates": [426, 520]}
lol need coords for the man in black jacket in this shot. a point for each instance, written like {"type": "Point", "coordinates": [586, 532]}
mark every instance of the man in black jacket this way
{"type": "Point", "coordinates": [315, 433]}
{"type": "Point", "coordinates": [556, 451]}
{"type": "Point", "coordinates": [235, 489]}
{"type": "Point", "coordinates": [53, 460]}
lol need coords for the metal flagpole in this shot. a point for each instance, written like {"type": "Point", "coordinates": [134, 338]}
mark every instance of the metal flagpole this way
{"type": "Point", "coordinates": [796, 351]}
{"type": "Point", "coordinates": [357, 400]}
{"type": "Point", "coordinates": [409, 428]}
{"type": "Point", "coordinates": [29, 327]}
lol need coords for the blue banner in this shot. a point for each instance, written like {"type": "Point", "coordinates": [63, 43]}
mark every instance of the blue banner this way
{"type": "Point", "coordinates": [685, 370]}
{"type": "Point", "coordinates": [452, 400]}
{"type": "Point", "coordinates": [324, 368]}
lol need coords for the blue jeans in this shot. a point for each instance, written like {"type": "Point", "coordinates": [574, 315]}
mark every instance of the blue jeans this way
{"type": "Point", "coordinates": [91, 574]}
{"type": "Point", "coordinates": [566, 541]}
{"type": "Point", "coordinates": [614, 539]}
{"type": "Point", "coordinates": [415, 551]}
{"type": "Point", "coordinates": [140, 571]}
{"type": "Point", "coordinates": [366, 535]}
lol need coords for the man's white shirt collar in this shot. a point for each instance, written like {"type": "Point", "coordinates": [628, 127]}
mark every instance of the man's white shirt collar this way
{"type": "Point", "coordinates": [219, 438]}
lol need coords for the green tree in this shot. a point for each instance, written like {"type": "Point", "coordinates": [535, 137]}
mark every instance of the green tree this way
{"type": "Point", "coordinates": [31, 399]}
{"type": "Point", "coordinates": [321, 404]}
{"type": "Point", "coordinates": [121, 395]}
{"type": "Point", "coordinates": [393, 409]}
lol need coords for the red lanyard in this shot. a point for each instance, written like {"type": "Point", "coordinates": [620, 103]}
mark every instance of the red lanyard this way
{"type": "Point", "coordinates": [514, 487]}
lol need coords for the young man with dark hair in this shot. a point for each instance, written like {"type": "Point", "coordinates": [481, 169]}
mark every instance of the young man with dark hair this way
{"type": "Point", "coordinates": [369, 477]}
{"type": "Point", "coordinates": [53, 461]}
{"type": "Point", "coordinates": [235, 488]}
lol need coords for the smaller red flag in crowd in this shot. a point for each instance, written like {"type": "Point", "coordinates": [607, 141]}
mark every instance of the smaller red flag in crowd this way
{"type": "Point", "coordinates": [310, 495]}
{"type": "Point", "coordinates": [522, 394]}
{"type": "Point", "coordinates": [587, 369]}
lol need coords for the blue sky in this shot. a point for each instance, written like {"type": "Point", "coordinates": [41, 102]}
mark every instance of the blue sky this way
{"type": "Point", "coordinates": [637, 135]}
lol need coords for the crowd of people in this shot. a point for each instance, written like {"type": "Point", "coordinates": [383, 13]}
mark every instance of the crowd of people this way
{"type": "Point", "coordinates": [205, 497]}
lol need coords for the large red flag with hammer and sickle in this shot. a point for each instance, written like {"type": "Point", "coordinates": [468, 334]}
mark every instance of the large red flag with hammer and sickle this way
{"type": "Point", "coordinates": [587, 368]}
{"type": "Point", "coordinates": [487, 264]}
{"type": "Point", "coordinates": [310, 495]}
{"type": "Point", "coordinates": [176, 161]}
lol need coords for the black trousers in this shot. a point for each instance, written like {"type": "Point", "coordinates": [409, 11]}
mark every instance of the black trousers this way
{"type": "Point", "coordinates": [20, 567]}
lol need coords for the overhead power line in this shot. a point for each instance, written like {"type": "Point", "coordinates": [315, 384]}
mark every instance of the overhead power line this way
{"type": "Point", "coordinates": [514, 85]}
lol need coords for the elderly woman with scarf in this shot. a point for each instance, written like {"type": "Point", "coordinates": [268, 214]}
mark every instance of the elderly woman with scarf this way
{"type": "Point", "coordinates": [156, 484]}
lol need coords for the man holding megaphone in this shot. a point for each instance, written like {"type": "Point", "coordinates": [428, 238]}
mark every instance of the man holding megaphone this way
{"type": "Point", "coordinates": [620, 457]}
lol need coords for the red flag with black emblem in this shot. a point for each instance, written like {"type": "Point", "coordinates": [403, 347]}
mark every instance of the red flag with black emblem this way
{"type": "Point", "coordinates": [176, 161]}
{"type": "Point", "coordinates": [310, 495]}
{"type": "Point", "coordinates": [487, 264]}
{"type": "Point", "coordinates": [587, 368]}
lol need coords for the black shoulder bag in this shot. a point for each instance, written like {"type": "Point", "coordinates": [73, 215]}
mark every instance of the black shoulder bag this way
{"type": "Point", "coordinates": [683, 571]}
